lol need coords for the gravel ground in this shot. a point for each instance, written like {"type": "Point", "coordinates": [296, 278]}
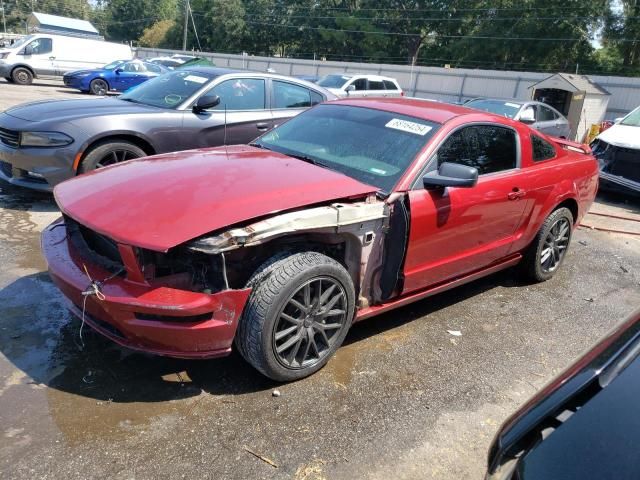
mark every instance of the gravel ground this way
{"type": "Point", "coordinates": [401, 399]}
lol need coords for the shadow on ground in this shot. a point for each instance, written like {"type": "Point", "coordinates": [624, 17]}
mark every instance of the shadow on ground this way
{"type": "Point", "coordinates": [41, 338]}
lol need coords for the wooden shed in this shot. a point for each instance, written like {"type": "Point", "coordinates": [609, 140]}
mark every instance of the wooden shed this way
{"type": "Point", "coordinates": [581, 100]}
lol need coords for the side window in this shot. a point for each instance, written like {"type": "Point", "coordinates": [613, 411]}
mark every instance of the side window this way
{"type": "Point", "coordinates": [542, 150]}
{"type": "Point", "coordinates": [133, 67]}
{"type": "Point", "coordinates": [544, 114]}
{"type": "Point", "coordinates": [240, 94]}
{"type": "Point", "coordinates": [388, 85]}
{"type": "Point", "coordinates": [287, 95]}
{"type": "Point", "coordinates": [40, 46]}
{"type": "Point", "coordinates": [360, 84]}
{"type": "Point", "coordinates": [316, 98]}
{"type": "Point", "coordinates": [488, 148]}
{"type": "Point", "coordinates": [376, 85]}
{"type": "Point", "coordinates": [153, 68]}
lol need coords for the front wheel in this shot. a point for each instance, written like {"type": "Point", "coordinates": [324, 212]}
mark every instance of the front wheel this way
{"type": "Point", "coordinates": [98, 86]}
{"type": "Point", "coordinates": [22, 76]}
{"type": "Point", "coordinates": [109, 153]}
{"type": "Point", "coordinates": [297, 316]}
{"type": "Point", "coordinates": [547, 251]}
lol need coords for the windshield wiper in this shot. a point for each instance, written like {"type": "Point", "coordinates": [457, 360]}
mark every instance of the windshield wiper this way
{"type": "Point", "coordinates": [129, 100]}
{"type": "Point", "coordinates": [259, 145]}
{"type": "Point", "coordinates": [304, 158]}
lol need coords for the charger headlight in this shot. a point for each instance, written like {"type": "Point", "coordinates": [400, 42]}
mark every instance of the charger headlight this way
{"type": "Point", "coordinates": [44, 139]}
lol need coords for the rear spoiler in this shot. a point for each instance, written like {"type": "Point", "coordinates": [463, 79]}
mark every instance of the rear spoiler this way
{"type": "Point", "coordinates": [573, 146]}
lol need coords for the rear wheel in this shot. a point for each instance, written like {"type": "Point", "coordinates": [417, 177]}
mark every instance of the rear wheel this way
{"type": "Point", "coordinates": [109, 153]}
{"type": "Point", "coordinates": [22, 76]}
{"type": "Point", "coordinates": [99, 86]}
{"type": "Point", "coordinates": [297, 316]}
{"type": "Point", "coordinates": [546, 253]}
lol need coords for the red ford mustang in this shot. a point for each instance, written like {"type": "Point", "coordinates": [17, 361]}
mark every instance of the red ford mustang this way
{"type": "Point", "coordinates": [346, 211]}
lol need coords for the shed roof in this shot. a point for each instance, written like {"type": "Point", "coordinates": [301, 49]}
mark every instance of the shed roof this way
{"type": "Point", "coordinates": [572, 83]}
{"type": "Point", "coordinates": [56, 22]}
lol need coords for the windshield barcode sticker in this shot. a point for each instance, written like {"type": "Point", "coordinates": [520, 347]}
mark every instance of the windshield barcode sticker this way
{"type": "Point", "coordinates": [507, 104]}
{"type": "Point", "coordinates": [195, 78]}
{"type": "Point", "coordinates": [409, 127]}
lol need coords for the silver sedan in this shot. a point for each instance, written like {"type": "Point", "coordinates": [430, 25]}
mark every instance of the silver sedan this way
{"type": "Point", "coordinates": [536, 114]}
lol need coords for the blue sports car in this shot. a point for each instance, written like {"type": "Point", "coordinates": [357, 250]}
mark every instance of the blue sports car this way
{"type": "Point", "coordinates": [117, 76]}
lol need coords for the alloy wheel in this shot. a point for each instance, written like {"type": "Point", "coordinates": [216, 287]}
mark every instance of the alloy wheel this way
{"type": "Point", "coordinates": [555, 245]}
{"type": "Point", "coordinates": [116, 156]}
{"type": "Point", "coordinates": [309, 323]}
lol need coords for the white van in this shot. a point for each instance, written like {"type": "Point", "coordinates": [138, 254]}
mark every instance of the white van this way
{"type": "Point", "coordinates": [54, 55]}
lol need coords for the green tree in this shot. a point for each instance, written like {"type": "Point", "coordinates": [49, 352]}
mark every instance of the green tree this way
{"type": "Point", "coordinates": [129, 18]}
{"type": "Point", "coordinates": [621, 36]}
{"type": "Point", "coordinates": [156, 35]}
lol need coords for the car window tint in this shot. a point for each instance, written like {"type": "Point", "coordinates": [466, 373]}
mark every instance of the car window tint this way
{"type": "Point", "coordinates": [388, 85]}
{"type": "Point", "coordinates": [542, 150]}
{"type": "Point", "coordinates": [544, 114]}
{"type": "Point", "coordinates": [316, 98]}
{"type": "Point", "coordinates": [240, 94]}
{"type": "Point", "coordinates": [376, 85]}
{"type": "Point", "coordinates": [287, 95]}
{"type": "Point", "coordinates": [488, 148]}
{"type": "Point", "coordinates": [360, 84]}
{"type": "Point", "coordinates": [40, 46]}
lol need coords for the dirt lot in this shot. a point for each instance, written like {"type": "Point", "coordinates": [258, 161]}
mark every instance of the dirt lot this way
{"type": "Point", "coordinates": [401, 399]}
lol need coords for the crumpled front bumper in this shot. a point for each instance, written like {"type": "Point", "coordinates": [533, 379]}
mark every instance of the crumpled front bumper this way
{"type": "Point", "coordinates": [155, 319]}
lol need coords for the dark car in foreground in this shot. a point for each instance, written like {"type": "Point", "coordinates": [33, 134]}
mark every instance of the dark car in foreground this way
{"type": "Point", "coordinates": [584, 425]}
{"type": "Point", "coordinates": [348, 210]}
{"type": "Point", "coordinates": [538, 115]}
{"type": "Point", "coordinates": [43, 143]}
{"type": "Point", "coordinates": [117, 76]}
{"type": "Point", "coordinates": [618, 152]}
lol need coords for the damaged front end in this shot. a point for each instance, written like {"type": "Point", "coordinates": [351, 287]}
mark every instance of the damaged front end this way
{"type": "Point", "coordinates": [353, 233]}
{"type": "Point", "coordinates": [619, 166]}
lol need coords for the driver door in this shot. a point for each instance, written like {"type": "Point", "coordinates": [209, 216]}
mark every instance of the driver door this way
{"type": "Point", "coordinates": [39, 55]}
{"type": "Point", "coordinates": [457, 230]}
{"type": "Point", "coordinates": [247, 115]}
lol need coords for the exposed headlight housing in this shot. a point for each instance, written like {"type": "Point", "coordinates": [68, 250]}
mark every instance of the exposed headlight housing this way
{"type": "Point", "coordinates": [44, 139]}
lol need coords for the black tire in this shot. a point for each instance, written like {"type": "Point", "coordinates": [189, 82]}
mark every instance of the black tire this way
{"type": "Point", "coordinates": [98, 85]}
{"type": "Point", "coordinates": [9, 79]}
{"type": "Point", "coordinates": [545, 255]}
{"type": "Point", "coordinates": [22, 76]}
{"type": "Point", "coordinates": [108, 153]}
{"type": "Point", "coordinates": [276, 286]}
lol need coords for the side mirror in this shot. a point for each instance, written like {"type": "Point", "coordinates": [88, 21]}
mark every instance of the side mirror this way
{"type": "Point", "coordinates": [118, 71]}
{"type": "Point", "coordinates": [205, 102]}
{"type": "Point", "coordinates": [350, 88]}
{"type": "Point", "coordinates": [451, 175]}
{"type": "Point", "coordinates": [528, 116]}
{"type": "Point", "coordinates": [28, 50]}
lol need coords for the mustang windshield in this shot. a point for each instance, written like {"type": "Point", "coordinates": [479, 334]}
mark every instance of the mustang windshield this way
{"type": "Point", "coordinates": [372, 146]}
{"type": "Point", "coordinates": [506, 109]}
{"type": "Point", "coordinates": [168, 90]}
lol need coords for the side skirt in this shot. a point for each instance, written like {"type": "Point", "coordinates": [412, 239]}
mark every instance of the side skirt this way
{"type": "Point", "coordinates": [419, 295]}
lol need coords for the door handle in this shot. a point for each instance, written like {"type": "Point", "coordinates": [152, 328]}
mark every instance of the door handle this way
{"type": "Point", "coordinates": [516, 194]}
{"type": "Point", "coordinates": [262, 126]}
{"type": "Point", "coordinates": [52, 58]}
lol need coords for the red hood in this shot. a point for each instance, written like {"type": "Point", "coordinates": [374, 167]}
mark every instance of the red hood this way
{"type": "Point", "coordinates": [163, 201]}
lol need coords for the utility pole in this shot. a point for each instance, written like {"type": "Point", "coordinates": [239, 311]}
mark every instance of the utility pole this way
{"type": "Point", "coordinates": [186, 24]}
{"type": "Point", "coordinates": [4, 20]}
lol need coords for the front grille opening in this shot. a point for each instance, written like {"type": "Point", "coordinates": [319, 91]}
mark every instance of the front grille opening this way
{"type": "Point", "coordinates": [10, 138]}
{"type": "Point", "coordinates": [172, 318]}
{"type": "Point", "coordinates": [94, 247]}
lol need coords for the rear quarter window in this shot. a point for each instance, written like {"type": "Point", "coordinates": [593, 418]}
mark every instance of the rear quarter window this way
{"type": "Point", "coordinates": [390, 85]}
{"type": "Point", "coordinates": [542, 150]}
